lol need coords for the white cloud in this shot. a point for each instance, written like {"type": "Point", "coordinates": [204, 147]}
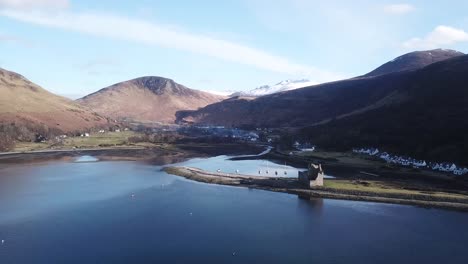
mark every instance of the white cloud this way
{"type": "Point", "coordinates": [34, 4]}
{"type": "Point", "coordinates": [123, 28]}
{"type": "Point", "coordinates": [222, 93]}
{"type": "Point", "coordinates": [439, 37]}
{"type": "Point", "coordinates": [398, 9]}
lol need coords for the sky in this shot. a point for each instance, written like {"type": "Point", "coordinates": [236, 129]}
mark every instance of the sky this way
{"type": "Point", "coordinates": [74, 48]}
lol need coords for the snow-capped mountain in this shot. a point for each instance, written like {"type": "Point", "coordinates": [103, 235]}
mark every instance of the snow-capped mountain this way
{"type": "Point", "coordinates": [279, 87]}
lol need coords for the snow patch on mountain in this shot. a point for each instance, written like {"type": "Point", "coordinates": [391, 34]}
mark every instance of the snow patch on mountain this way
{"type": "Point", "coordinates": [286, 85]}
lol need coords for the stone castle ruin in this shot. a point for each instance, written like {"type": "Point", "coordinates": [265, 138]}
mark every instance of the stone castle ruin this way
{"type": "Point", "coordinates": [312, 177]}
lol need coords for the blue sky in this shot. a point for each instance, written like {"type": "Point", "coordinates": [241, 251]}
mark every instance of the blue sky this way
{"type": "Point", "coordinates": [77, 47]}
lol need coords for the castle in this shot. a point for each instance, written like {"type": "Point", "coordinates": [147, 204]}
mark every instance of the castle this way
{"type": "Point", "coordinates": [312, 177]}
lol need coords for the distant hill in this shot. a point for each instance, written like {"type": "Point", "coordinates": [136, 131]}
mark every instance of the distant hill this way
{"type": "Point", "coordinates": [414, 60]}
{"type": "Point", "coordinates": [282, 86]}
{"type": "Point", "coordinates": [421, 111]}
{"type": "Point", "coordinates": [25, 103]}
{"type": "Point", "coordinates": [147, 99]}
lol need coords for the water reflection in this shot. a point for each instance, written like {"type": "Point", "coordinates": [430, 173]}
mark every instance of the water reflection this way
{"type": "Point", "coordinates": [310, 203]}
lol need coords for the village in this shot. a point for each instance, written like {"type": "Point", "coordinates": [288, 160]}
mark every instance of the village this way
{"type": "Point", "coordinates": [221, 132]}
{"type": "Point", "coordinates": [411, 162]}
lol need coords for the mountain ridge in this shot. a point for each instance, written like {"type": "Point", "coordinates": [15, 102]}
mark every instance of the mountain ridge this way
{"type": "Point", "coordinates": [279, 106]}
{"type": "Point", "coordinates": [414, 60]}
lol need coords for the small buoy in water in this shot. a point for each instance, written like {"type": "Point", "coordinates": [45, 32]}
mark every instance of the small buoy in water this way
{"type": "Point", "coordinates": [218, 170]}
{"type": "Point", "coordinates": [237, 171]}
{"type": "Point", "coordinates": [191, 214]}
{"type": "Point", "coordinates": [3, 241]}
{"type": "Point", "coordinates": [133, 195]}
{"type": "Point", "coordinates": [233, 253]}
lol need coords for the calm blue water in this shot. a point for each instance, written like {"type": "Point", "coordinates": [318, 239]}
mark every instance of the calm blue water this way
{"type": "Point", "coordinates": [128, 212]}
{"type": "Point", "coordinates": [245, 167]}
{"type": "Point", "coordinates": [255, 167]}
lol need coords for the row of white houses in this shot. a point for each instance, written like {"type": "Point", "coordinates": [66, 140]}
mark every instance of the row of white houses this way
{"type": "Point", "coordinates": [411, 162]}
{"type": "Point", "coordinates": [304, 146]}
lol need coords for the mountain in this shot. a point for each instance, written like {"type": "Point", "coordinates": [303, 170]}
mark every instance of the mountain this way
{"type": "Point", "coordinates": [286, 85]}
{"type": "Point", "coordinates": [428, 121]}
{"type": "Point", "coordinates": [300, 107]}
{"type": "Point", "coordinates": [25, 103]}
{"type": "Point", "coordinates": [421, 112]}
{"type": "Point", "coordinates": [147, 99]}
{"type": "Point", "coordinates": [317, 104]}
{"type": "Point", "coordinates": [414, 60]}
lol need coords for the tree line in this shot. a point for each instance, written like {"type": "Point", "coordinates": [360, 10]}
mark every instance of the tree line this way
{"type": "Point", "coordinates": [10, 133]}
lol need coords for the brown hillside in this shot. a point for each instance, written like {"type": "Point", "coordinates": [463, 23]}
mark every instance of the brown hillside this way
{"type": "Point", "coordinates": [23, 102]}
{"type": "Point", "coordinates": [147, 99]}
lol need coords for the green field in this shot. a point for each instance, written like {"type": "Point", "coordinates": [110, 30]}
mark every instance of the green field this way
{"type": "Point", "coordinates": [30, 146]}
{"type": "Point", "coordinates": [107, 139]}
{"type": "Point", "coordinates": [341, 157]}
{"type": "Point", "coordinates": [95, 140]}
{"type": "Point", "coordinates": [388, 187]}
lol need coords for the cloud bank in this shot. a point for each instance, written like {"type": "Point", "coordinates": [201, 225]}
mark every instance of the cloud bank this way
{"type": "Point", "coordinates": [441, 36]}
{"type": "Point", "coordinates": [140, 31]}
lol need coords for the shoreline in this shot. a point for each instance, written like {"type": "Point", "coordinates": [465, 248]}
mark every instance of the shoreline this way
{"type": "Point", "coordinates": [162, 154]}
{"type": "Point", "coordinates": [47, 151]}
{"type": "Point", "coordinates": [291, 186]}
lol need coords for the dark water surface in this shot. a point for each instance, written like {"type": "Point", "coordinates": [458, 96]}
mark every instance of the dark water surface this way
{"type": "Point", "coordinates": [128, 212]}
